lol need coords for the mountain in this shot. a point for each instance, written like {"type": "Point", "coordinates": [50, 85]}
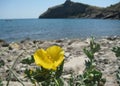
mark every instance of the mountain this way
{"type": "Point", "coordinates": [112, 11]}
{"type": "Point", "coordinates": [71, 9]}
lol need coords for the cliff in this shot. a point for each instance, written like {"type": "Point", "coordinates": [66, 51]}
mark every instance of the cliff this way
{"type": "Point", "coordinates": [71, 9]}
{"type": "Point", "coordinates": [112, 11]}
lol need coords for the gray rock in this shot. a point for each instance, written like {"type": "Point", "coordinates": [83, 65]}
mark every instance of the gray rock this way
{"type": "Point", "coordinates": [75, 65]}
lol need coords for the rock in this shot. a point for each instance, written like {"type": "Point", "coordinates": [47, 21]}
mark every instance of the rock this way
{"type": "Point", "coordinates": [14, 46]}
{"type": "Point", "coordinates": [36, 41]}
{"type": "Point", "coordinates": [67, 54]}
{"type": "Point", "coordinates": [59, 41]}
{"type": "Point", "coordinates": [5, 45]}
{"type": "Point", "coordinates": [1, 40]}
{"type": "Point", "coordinates": [75, 65]}
{"type": "Point", "coordinates": [27, 39]}
{"type": "Point", "coordinates": [112, 38]}
{"type": "Point", "coordinates": [9, 60]}
{"type": "Point", "coordinates": [106, 61]}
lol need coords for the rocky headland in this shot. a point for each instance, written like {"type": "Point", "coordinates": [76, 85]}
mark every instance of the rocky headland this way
{"type": "Point", "coordinates": [71, 9]}
{"type": "Point", "coordinates": [105, 59]}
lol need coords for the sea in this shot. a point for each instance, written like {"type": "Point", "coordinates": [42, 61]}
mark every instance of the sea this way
{"type": "Point", "coordinates": [52, 29]}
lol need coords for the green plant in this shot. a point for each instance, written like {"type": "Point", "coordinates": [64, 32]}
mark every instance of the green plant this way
{"type": "Point", "coordinates": [118, 75]}
{"type": "Point", "coordinates": [116, 50]}
{"type": "Point", "coordinates": [2, 63]}
{"type": "Point", "coordinates": [28, 60]}
{"type": "Point", "coordinates": [42, 76]}
{"type": "Point", "coordinates": [48, 72]}
{"type": "Point", "coordinates": [91, 76]}
{"type": "Point", "coordinates": [1, 83]}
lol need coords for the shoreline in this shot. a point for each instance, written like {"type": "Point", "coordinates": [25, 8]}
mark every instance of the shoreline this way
{"type": "Point", "coordinates": [74, 56]}
{"type": "Point", "coordinates": [81, 38]}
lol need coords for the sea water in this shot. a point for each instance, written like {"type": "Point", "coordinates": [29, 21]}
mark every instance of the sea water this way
{"type": "Point", "coordinates": [50, 29]}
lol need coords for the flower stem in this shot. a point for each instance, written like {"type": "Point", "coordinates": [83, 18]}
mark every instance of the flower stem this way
{"type": "Point", "coordinates": [56, 81]}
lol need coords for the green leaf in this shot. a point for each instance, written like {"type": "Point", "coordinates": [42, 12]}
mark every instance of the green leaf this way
{"type": "Point", "coordinates": [59, 70]}
{"type": "Point", "coordinates": [28, 60]}
{"type": "Point", "coordinates": [118, 76]}
{"type": "Point", "coordinates": [1, 84]}
{"type": "Point", "coordinates": [29, 75]}
{"type": "Point", "coordinates": [60, 81]}
{"type": "Point", "coordinates": [92, 76]}
{"type": "Point", "coordinates": [89, 54]}
{"type": "Point", "coordinates": [116, 50]}
{"type": "Point", "coordinates": [87, 64]}
{"type": "Point", "coordinates": [2, 63]}
{"type": "Point", "coordinates": [42, 74]}
{"type": "Point", "coordinates": [94, 47]}
{"type": "Point", "coordinates": [97, 75]}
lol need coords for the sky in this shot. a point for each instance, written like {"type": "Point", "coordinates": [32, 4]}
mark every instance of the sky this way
{"type": "Point", "coordinates": [19, 9]}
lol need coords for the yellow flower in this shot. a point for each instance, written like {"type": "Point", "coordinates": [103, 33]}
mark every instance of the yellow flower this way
{"type": "Point", "coordinates": [50, 58]}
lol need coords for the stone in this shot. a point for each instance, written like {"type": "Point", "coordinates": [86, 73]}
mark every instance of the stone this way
{"type": "Point", "coordinates": [5, 45]}
{"type": "Point", "coordinates": [76, 65]}
{"type": "Point", "coordinates": [67, 54]}
{"type": "Point", "coordinates": [14, 46]}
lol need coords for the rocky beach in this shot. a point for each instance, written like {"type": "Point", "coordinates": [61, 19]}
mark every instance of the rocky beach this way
{"type": "Point", "coordinates": [105, 59]}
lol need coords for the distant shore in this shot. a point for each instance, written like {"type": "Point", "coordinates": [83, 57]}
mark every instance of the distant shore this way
{"type": "Point", "coordinates": [74, 57]}
{"type": "Point", "coordinates": [33, 39]}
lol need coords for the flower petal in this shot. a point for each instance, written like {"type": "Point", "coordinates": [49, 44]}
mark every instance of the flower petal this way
{"type": "Point", "coordinates": [58, 62]}
{"type": "Point", "coordinates": [57, 55]}
{"type": "Point", "coordinates": [42, 59]}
